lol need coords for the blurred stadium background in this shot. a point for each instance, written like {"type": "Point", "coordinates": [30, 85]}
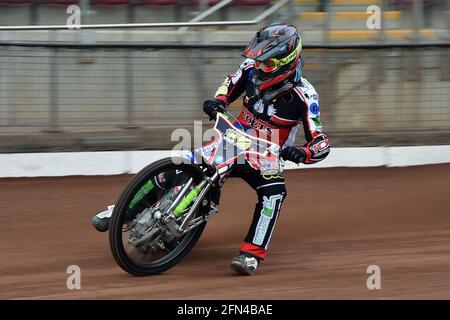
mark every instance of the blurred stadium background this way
{"type": "Point", "coordinates": [129, 88]}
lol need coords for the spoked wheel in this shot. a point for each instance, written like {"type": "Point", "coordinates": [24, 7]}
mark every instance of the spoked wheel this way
{"type": "Point", "coordinates": [140, 242]}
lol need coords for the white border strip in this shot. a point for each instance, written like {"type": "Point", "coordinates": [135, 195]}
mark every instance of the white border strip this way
{"type": "Point", "coordinates": [119, 162]}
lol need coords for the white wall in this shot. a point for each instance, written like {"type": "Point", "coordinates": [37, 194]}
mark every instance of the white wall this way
{"type": "Point", "coordinates": [119, 162]}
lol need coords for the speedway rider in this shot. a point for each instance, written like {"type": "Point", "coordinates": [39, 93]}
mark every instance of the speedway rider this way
{"type": "Point", "coordinates": [277, 99]}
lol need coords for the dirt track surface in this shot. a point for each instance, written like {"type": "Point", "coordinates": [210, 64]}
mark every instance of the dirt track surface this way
{"type": "Point", "coordinates": [334, 224]}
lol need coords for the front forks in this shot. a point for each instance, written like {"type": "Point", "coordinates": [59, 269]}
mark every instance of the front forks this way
{"type": "Point", "coordinates": [194, 198]}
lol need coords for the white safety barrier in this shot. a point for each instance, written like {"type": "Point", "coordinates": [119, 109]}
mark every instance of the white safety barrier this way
{"type": "Point", "coordinates": [119, 162]}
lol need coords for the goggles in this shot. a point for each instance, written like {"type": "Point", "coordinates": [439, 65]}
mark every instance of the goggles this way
{"type": "Point", "coordinates": [273, 64]}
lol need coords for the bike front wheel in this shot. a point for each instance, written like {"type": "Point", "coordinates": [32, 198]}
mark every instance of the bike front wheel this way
{"type": "Point", "coordinates": [138, 243]}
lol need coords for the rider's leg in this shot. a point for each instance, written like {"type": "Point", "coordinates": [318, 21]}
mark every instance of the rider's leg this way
{"type": "Point", "coordinates": [271, 192]}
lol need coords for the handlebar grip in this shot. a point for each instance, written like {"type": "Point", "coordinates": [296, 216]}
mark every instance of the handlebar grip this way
{"type": "Point", "coordinates": [222, 108]}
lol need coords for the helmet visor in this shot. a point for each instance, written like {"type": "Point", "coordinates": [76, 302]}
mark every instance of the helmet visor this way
{"type": "Point", "coordinates": [267, 66]}
{"type": "Point", "coordinates": [274, 64]}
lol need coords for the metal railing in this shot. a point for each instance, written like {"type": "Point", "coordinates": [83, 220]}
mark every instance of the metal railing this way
{"type": "Point", "coordinates": [273, 9]}
{"type": "Point", "coordinates": [407, 23]}
{"type": "Point", "coordinates": [375, 95]}
{"type": "Point", "coordinates": [370, 94]}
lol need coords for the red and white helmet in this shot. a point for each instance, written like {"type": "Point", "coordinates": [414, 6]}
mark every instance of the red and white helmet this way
{"type": "Point", "coordinates": [276, 50]}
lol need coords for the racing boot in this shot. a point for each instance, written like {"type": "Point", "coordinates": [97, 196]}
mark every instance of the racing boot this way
{"type": "Point", "coordinates": [101, 220]}
{"type": "Point", "coordinates": [245, 264]}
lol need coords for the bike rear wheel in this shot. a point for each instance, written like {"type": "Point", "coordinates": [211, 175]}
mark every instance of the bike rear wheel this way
{"type": "Point", "coordinates": [157, 256]}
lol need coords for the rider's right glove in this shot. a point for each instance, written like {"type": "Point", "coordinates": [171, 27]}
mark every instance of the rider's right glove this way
{"type": "Point", "coordinates": [293, 154]}
{"type": "Point", "coordinates": [211, 107]}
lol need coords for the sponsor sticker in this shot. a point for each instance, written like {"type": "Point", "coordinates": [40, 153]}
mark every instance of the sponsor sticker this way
{"type": "Point", "coordinates": [233, 137]}
{"type": "Point", "coordinates": [314, 108]}
{"type": "Point", "coordinates": [206, 150]}
{"type": "Point", "coordinates": [271, 110]}
{"type": "Point", "coordinates": [236, 76]}
{"type": "Point", "coordinates": [259, 106]}
{"type": "Point", "coordinates": [318, 124]}
{"type": "Point", "coordinates": [254, 123]}
{"type": "Point", "coordinates": [272, 174]}
{"type": "Point", "coordinates": [267, 212]}
{"type": "Point", "coordinates": [223, 89]}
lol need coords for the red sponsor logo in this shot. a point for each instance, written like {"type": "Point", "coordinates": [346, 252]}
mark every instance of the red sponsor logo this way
{"type": "Point", "coordinates": [320, 146]}
{"type": "Point", "coordinates": [254, 123]}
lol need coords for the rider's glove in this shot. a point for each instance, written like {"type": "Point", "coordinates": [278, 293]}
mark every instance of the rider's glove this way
{"type": "Point", "coordinates": [317, 149]}
{"type": "Point", "coordinates": [211, 107]}
{"type": "Point", "coordinates": [293, 154]}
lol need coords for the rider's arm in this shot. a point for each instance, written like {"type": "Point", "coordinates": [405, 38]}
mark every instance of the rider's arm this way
{"type": "Point", "coordinates": [234, 84]}
{"type": "Point", "coordinates": [317, 146]}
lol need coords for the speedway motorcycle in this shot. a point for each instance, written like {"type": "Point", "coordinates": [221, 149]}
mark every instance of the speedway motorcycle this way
{"type": "Point", "coordinates": [163, 210]}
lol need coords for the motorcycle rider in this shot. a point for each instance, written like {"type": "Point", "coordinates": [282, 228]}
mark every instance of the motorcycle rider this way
{"type": "Point", "coordinates": [277, 99]}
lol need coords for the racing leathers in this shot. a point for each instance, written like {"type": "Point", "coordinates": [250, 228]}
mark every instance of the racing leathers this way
{"type": "Point", "coordinates": [275, 115]}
